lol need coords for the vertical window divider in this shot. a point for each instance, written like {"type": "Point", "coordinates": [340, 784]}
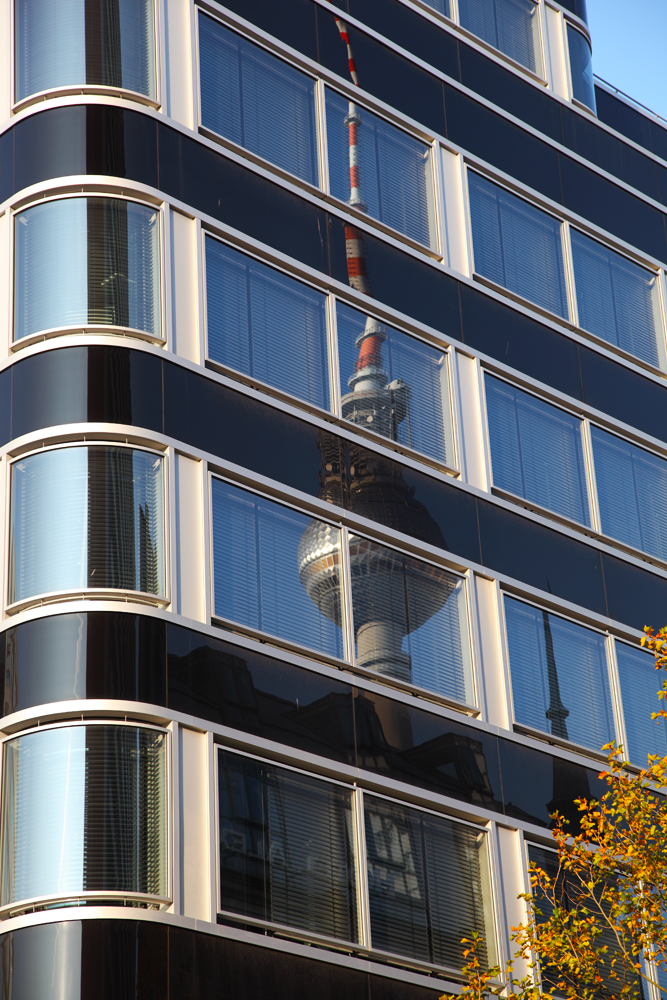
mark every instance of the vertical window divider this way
{"type": "Point", "coordinates": [200, 271]}
{"type": "Point", "coordinates": [437, 193]}
{"type": "Point", "coordinates": [505, 656]}
{"type": "Point", "coordinates": [467, 218]}
{"type": "Point", "coordinates": [5, 501]}
{"type": "Point", "coordinates": [213, 836]}
{"type": "Point", "coordinates": [196, 83]}
{"type": "Point", "coordinates": [171, 568]}
{"type": "Point", "coordinates": [593, 505]}
{"type": "Point", "coordinates": [346, 593]}
{"type": "Point", "coordinates": [363, 900]}
{"type": "Point", "coordinates": [617, 698]}
{"type": "Point", "coordinates": [486, 440]}
{"type": "Point", "coordinates": [321, 120]}
{"type": "Point", "coordinates": [209, 582]}
{"type": "Point", "coordinates": [454, 11]}
{"type": "Point", "coordinates": [662, 298]}
{"type": "Point", "coordinates": [569, 272]}
{"type": "Point", "coordinates": [334, 367]}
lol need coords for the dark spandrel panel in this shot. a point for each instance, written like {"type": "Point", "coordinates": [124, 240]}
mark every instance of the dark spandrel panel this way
{"type": "Point", "coordinates": [124, 387]}
{"type": "Point", "coordinates": [292, 21]}
{"type": "Point", "coordinates": [33, 959]}
{"type": "Point", "coordinates": [527, 102]}
{"type": "Point", "coordinates": [225, 684]}
{"type": "Point", "coordinates": [577, 7]}
{"type": "Point", "coordinates": [50, 144]}
{"type": "Point", "coordinates": [405, 283]}
{"type": "Point", "coordinates": [121, 143]}
{"type": "Point", "coordinates": [582, 135]}
{"type": "Point", "coordinates": [519, 341]}
{"type": "Point", "coordinates": [5, 406]}
{"type": "Point", "coordinates": [397, 81]}
{"type": "Point", "coordinates": [543, 558]}
{"type": "Point", "coordinates": [411, 745]}
{"type": "Point", "coordinates": [622, 118]}
{"type": "Point", "coordinates": [623, 394]}
{"type": "Point", "coordinates": [123, 960]}
{"type": "Point", "coordinates": [50, 389]}
{"type": "Point", "coordinates": [639, 171]}
{"type": "Point", "coordinates": [508, 147]}
{"type": "Point", "coordinates": [411, 31]}
{"type": "Point", "coordinates": [661, 174]}
{"type": "Point", "coordinates": [227, 191]}
{"type": "Point", "coordinates": [242, 430]}
{"type": "Point", "coordinates": [634, 596]}
{"type": "Point", "coordinates": [88, 655]}
{"type": "Point", "coordinates": [6, 164]}
{"type": "Point", "coordinates": [536, 784]}
{"type": "Point", "coordinates": [612, 208]}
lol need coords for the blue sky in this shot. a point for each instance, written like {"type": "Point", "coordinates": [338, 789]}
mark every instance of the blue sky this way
{"type": "Point", "coordinates": [629, 42]}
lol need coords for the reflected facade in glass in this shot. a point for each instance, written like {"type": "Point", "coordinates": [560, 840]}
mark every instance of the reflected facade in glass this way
{"type": "Point", "coordinates": [70, 43]}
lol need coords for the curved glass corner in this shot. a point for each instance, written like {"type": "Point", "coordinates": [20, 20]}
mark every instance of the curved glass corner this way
{"type": "Point", "coordinates": [96, 43]}
{"type": "Point", "coordinates": [84, 813]}
{"type": "Point", "coordinates": [87, 262]}
{"type": "Point", "coordinates": [87, 517]}
{"type": "Point", "coordinates": [581, 68]}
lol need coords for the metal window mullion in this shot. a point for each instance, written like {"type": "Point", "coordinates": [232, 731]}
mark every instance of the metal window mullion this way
{"type": "Point", "coordinates": [661, 333]}
{"type": "Point", "coordinates": [334, 358]}
{"type": "Point", "coordinates": [346, 593]}
{"type": "Point", "coordinates": [454, 11]}
{"type": "Point", "coordinates": [591, 484]}
{"type": "Point", "coordinates": [363, 897]}
{"type": "Point", "coordinates": [617, 698]}
{"type": "Point", "coordinates": [438, 195]}
{"type": "Point", "coordinates": [321, 137]}
{"type": "Point", "coordinates": [569, 272]}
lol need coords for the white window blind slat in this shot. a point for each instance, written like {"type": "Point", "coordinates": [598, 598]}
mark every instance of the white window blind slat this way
{"type": "Point", "coordinates": [512, 26]}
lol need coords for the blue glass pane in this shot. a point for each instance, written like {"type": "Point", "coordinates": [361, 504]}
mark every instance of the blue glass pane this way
{"type": "Point", "coordinates": [393, 169]}
{"type": "Point", "coordinates": [265, 324]}
{"type": "Point", "coordinates": [617, 300]}
{"type": "Point", "coordinates": [536, 450]}
{"type": "Point", "coordinates": [509, 25]}
{"type": "Point", "coordinates": [50, 45]}
{"type": "Point", "coordinates": [405, 396]}
{"type": "Point", "coordinates": [560, 681]}
{"type": "Point", "coordinates": [632, 493]}
{"type": "Point", "coordinates": [256, 100]}
{"type": "Point", "coordinates": [517, 245]}
{"type": "Point", "coordinates": [274, 569]}
{"type": "Point", "coordinates": [640, 683]}
{"type": "Point", "coordinates": [581, 68]}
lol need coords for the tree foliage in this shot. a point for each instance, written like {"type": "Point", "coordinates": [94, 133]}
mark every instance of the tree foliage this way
{"type": "Point", "coordinates": [596, 925]}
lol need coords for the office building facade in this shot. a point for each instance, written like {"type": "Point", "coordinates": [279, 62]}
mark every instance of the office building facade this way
{"type": "Point", "coordinates": [333, 474]}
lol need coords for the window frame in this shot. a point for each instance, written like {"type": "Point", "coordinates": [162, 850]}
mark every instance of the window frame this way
{"type": "Point", "coordinates": [348, 661]}
{"type": "Point", "coordinates": [97, 329]}
{"type": "Point", "coordinates": [72, 90]}
{"type": "Point", "coordinates": [576, 26]}
{"type": "Point", "coordinates": [89, 593]}
{"type": "Point", "coordinates": [612, 675]}
{"type": "Point", "coordinates": [532, 73]}
{"type": "Point", "coordinates": [364, 945]}
{"type": "Point", "coordinates": [151, 901]}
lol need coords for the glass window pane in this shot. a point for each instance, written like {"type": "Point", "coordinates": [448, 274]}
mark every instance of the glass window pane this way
{"type": "Point", "coordinates": [442, 6]}
{"type": "Point", "coordinates": [640, 682]}
{"type": "Point", "coordinates": [410, 620]}
{"type": "Point", "coordinates": [87, 517]}
{"type": "Point", "coordinates": [265, 324]}
{"type": "Point", "coordinates": [62, 43]}
{"type": "Point", "coordinates": [394, 384]}
{"type": "Point", "coordinates": [581, 68]}
{"type": "Point", "coordinates": [509, 25]}
{"type": "Point", "coordinates": [276, 570]}
{"type": "Point", "coordinates": [517, 245]}
{"type": "Point", "coordinates": [84, 810]}
{"type": "Point", "coordinates": [536, 450]}
{"type": "Point", "coordinates": [427, 883]}
{"type": "Point", "coordinates": [632, 493]}
{"type": "Point", "coordinates": [560, 681]}
{"type": "Point", "coordinates": [617, 299]}
{"type": "Point", "coordinates": [87, 261]}
{"type": "Point", "coordinates": [385, 172]}
{"type": "Point", "coordinates": [286, 847]}
{"type": "Point", "coordinates": [256, 100]}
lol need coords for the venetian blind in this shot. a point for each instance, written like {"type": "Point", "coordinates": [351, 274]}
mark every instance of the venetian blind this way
{"type": "Point", "coordinates": [286, 846]}
{"type": "Point", "coordinates": [265, 324]}
{"type": "Point", "coordinates": [639, 692]}
{"type": "Point", "coordinates": [517, 245]}
{"type": "Point", "coordinates": [509, 25]}
{"type": "Point", "coordinates": [256, 100]}
{"type": "Point", "coordinates": [536, 450]}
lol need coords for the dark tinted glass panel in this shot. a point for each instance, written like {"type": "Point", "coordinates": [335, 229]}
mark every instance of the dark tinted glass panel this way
{"type": "Point", "coordinates": [256, 100]}
{"type": "Point", "coordinates": [50, 389]}
{"type": "Point", "coordinates": [64, 43]}
{"type": "Point", "coordinates": [623, 118]}
{"type": "Point", "coordinates": [581, 68]}
{"type": "Point", "coordinates": [226, 684]}
{"type": "Point", "coordinates": [622, 393]}
{"type": "Point", "coordinates": [410, 30]}
{"type": "Point", "coordinates": [286, 847]}
{"type": "Point", "coordinates": [512, 26]}
{"type": "Point", "coordinates": [634, 596]}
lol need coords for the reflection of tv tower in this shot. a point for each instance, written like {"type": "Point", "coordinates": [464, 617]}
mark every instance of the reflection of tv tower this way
{"type": "Point", "coordinates": [392, 594]}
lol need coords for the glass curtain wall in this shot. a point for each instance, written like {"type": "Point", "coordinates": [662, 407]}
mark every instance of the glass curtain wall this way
{"type": "Point", "coordinates": [640, 683]}
{"type": "Point", "coordinates": [84, 810]}
{"type": "Point", "coordinates": [96, 43]}
{"type": "Point", "coordinates": [512, 26]}
{"type": "Point", "coordinates": [87, 517]}
{"type": "Point", "coordinates": [581, 68]}
{"type": "Point", "coordinates": [87, 262]}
